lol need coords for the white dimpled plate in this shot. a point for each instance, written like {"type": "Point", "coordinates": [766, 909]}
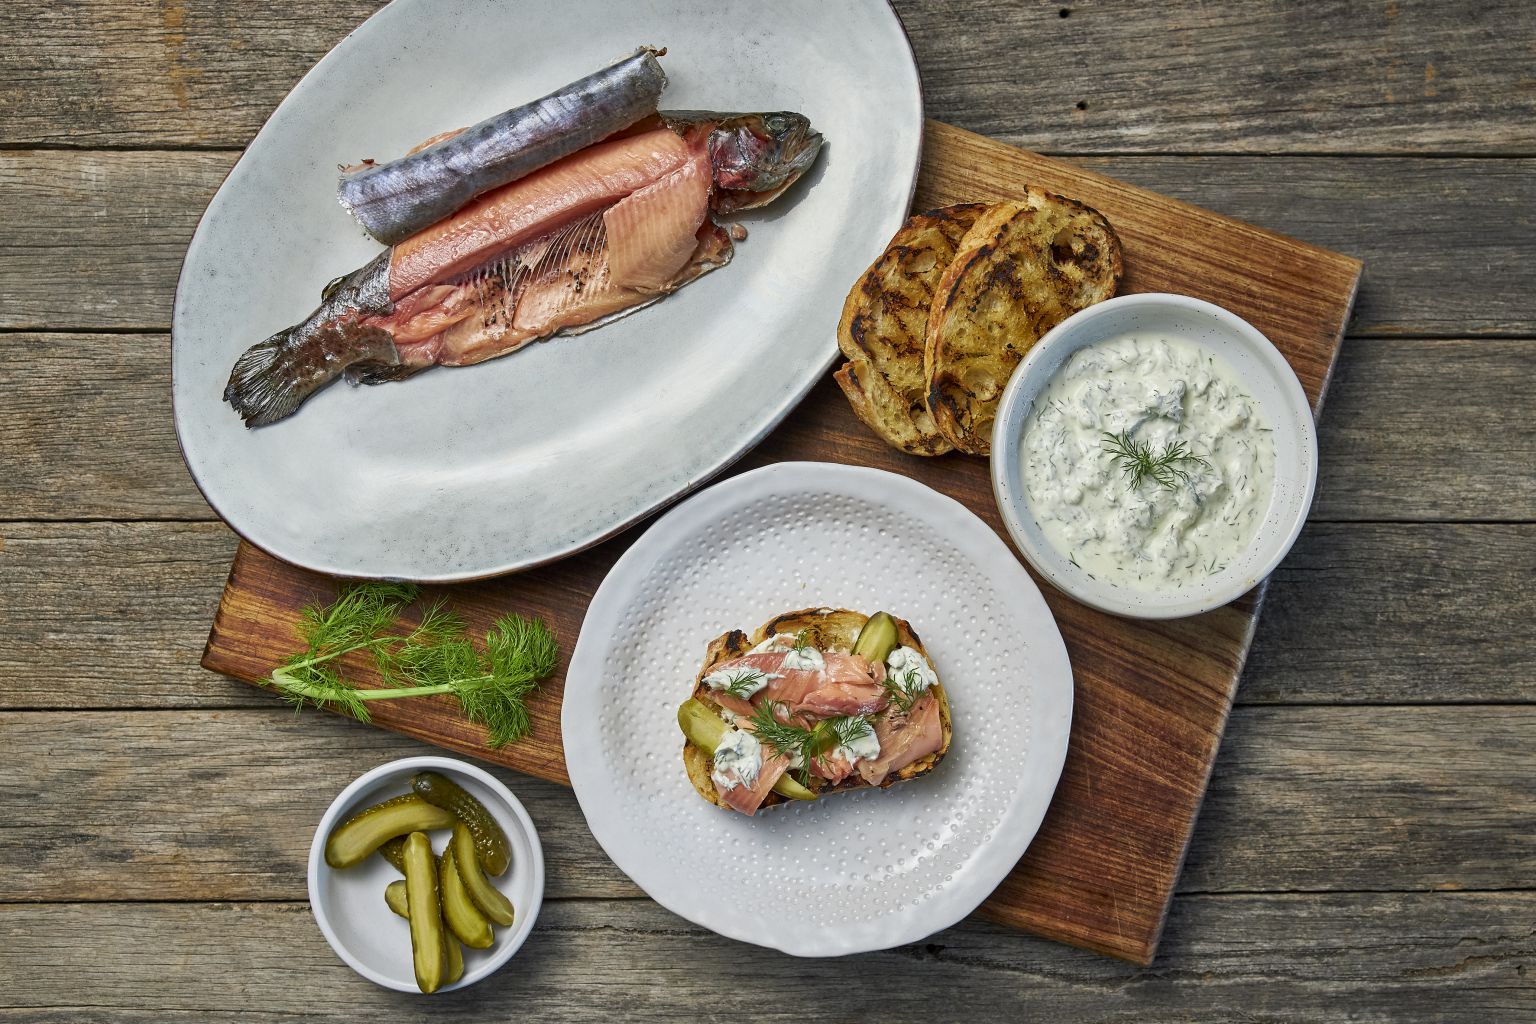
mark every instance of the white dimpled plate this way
{"type": "Point", "coordinates": [853, 872]}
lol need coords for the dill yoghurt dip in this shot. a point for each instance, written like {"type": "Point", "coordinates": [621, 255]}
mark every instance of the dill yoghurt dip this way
{"type": "Point", "coordinates": [1146, 463]}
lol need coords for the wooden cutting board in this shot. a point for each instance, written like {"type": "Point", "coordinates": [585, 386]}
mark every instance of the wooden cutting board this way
{"type": "Point", "coordinates": [1152, 698]}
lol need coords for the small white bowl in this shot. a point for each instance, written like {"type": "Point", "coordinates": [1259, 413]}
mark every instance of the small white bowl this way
{"type": "Point", "coordinates": [349, 904]}
{"type": "Point", "coordinates": [1261, 369]}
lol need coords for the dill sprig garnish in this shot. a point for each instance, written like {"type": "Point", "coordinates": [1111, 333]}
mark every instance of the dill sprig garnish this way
{"type": "Point", "coordinates": [437, 656]}
{"type": "Point", "coordinates": [743, 682]}
{"type": "Point", "coordinates": [1137, 460]}
{"type": "Point", "coordinates": [806, 744]}
{"type": "Point", "coordinates": [903, 690]}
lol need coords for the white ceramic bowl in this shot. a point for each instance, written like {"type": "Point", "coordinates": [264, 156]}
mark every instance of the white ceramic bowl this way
{"type": "Point", "coordinates": [349, 904]}
{"type": "Point", "coordinates": [1261, 369]}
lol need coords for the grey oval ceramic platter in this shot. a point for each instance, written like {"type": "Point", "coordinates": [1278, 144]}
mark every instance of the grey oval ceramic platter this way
{"type": "Point", "coordinates": [471, 472]}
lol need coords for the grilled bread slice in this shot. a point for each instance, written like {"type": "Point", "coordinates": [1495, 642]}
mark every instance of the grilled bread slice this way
{"type": "Point", "coordinates": [885, 324]}
{"type": "Point", "coordinates": [1022, 268]}
{"type": "Point", "coordinates": [826, 629]}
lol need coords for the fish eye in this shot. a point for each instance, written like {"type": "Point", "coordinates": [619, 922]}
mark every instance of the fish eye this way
{"type": "Point", "coordinates": [778, 124]}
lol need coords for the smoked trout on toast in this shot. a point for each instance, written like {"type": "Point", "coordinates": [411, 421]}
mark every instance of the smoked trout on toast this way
{"type": "Point", "coordinates": [815, 702]}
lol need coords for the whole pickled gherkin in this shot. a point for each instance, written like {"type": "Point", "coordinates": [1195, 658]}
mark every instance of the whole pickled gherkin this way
{"type": "Point", "coordinates": [399, 902]}
{"type": "Point", "coordinates": [394, 895]}
{"type": "Point", "coordinates": [393, 850]}
{"type": "Point", "coordinates": [489, 899]}
{"type": "Point", "coordinates": [491, 846]}
{"type": "Point", "coordinates": [428, 948]}
{"type": "Point", "coordinates": [354, 839]}
{"type": "Point", "coordinates": [455, 958]}
{"type": "Point", "coordinates": [460, 914]}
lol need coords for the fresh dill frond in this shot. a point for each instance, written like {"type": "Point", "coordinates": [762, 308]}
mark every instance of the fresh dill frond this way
{"type": "Point", "coordinates": [797, 742]}
{"type": "Point", "coordinates": [356, 618]}
{"type": "Point", "coordinates": [519, 653]}
{"type": "Point", "coordinates": [904, 689]}
{"type": "Point", "coordinates": [787, 738]}
{"type": "Point", "coordinates": [849, 729]}
{"type": "Point", "coordinates": [437, 656]}
{"type": "Point", "coordinates": [1138, 462]}
{"type": "Point", "coordinates": [743, 682]}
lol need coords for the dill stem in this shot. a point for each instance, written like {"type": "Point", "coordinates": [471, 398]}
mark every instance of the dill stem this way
{"type": "Point", "coordinates": [287, 682]}
{"type": "Point", "coordinates": [320, 659]}
{"type": "Point", "coordinates": [392, 693]}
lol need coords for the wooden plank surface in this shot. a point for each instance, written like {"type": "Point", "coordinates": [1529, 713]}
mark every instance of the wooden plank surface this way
{"type": "Point", "coordinates": [110, 614]}
{"type": "Point", "coordinates": [95, 239]}
{"type": "Point", "coordinates": [1334, 630]}
{"type": "Point", "coordinates": [1110, 76]}
{"type": "Point", "coordinates": [65, 391]}
{"type": "Point", "coordinates": [1259, 958]}
{"type": "Point", "coordinates": [1151, 698]}
{"type": "Point", "coordinates": [1311, 799]}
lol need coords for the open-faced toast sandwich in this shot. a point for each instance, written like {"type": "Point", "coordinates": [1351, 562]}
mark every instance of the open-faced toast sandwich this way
{"type": "Point", "coordinates": [815, 702]}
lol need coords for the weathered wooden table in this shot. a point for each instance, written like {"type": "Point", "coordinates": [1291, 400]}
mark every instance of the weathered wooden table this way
{"type": "Point", "coordinates": [1368, 847]}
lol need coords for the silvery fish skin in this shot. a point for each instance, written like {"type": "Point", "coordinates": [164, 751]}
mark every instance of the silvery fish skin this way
{"type": "Point", "coordinates": [394, 200]}
{"type": "Point", "coordinates": [368, 325]}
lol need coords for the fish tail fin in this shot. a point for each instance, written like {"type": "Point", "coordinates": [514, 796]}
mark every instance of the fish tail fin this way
{"type": "Point", "coordinates": [261, 387]}
{"type": "Point", "coordinates": [272, 379]}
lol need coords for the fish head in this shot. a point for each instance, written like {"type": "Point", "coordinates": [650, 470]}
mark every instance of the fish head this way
{"type": "Point", "coordinates": [755, 157]}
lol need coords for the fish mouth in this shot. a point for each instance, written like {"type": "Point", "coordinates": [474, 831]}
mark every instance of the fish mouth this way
{"type": "Point", "coordinates": [794, 145]}
{"type": "Point", "coordinates": [803, 153]}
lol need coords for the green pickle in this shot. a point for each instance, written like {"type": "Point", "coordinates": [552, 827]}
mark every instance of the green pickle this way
{"type": "Point", "coordinates": [428, 948]}
{"type": "Point", "coordinates": [491, 846]}
{"type": "Point", "coordinates": [702, 726]}
{"type": "Point", "coordinates": [455, 958]}
{"type": "Point", "coordinates": [393, 850]}
{"type": "Point", "coordinates": [394, 895]}
{"type": "Point", "coordinates": [461, 915]}
{"type": "Point", "coordinates": [353, 840]}
{"type": "Point", "coordinates": [705, 729]}
{"type": "Point", "coordinates": [877, 639]}
{"type": "Point", "coordinates": [481, 892]}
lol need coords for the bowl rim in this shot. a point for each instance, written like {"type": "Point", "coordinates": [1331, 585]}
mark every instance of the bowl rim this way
{"type": "Point", "coordinates": [514, 937]}
{"type": "Point", "coordinates": [1178, 603]}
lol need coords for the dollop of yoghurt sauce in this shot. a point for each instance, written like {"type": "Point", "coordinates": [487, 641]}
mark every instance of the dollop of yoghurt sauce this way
{"type": "Point", "coordinates": [1193, 516]}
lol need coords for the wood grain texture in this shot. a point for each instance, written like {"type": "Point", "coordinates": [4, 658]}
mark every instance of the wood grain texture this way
{"type": "Point", "coordinates": [1457, 603]}
{"type": "Point", "coordinates": [1151, 698]}
{"type": "Point", "coordinates": [215, 805]}
{"type": "Point", "coordinates": [178, 73]}
{"type": "Point", "coordinates": [1253, 77]}
{"type": "Point", "coordinates": [1367, 958]}
{"type": "Point", "coordinates": [87, 430]}
{"type": "Point", "coordinates": [95, 240]}
{"type": "Point", "coordinates": [108, 615]}
{"type": "Point", "coordinates": [1370, 798]}
{"type": "Point", "coordinates": [1316, 799]}
{"type": "Point", "coordinates": [1437, 237]}
{"type": "Point", "coordinates": [1112, 76]}
{"type": "Point", "coordinates": [65, 392]}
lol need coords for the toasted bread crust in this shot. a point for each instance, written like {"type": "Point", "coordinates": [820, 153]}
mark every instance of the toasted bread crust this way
{"type": "Point", "coordinates": [1022, 268]}
{"type": "Point", "coordinates": [825, 629]}
{"type": "Point", "coordinates": [884, 324]}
